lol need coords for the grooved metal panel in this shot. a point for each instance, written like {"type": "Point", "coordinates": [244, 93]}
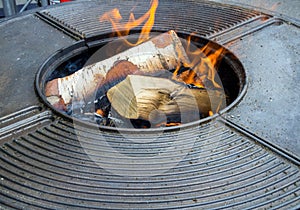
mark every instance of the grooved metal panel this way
{"type": "Point", "coordinates": [202, 17]}
{"type": "Point", "coordinates": [50, 168]}
{"type": "Point", "coordinates": [23, 120]}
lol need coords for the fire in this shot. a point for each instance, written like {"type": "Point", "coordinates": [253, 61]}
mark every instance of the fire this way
{"type": "Point", "coordinates": [204, 62]}
{"type": "Point", "coordinates": [123, 29]}
{"type": "Point", "coordinates": [200, 71]}
{"type": "Point", "coordinates": [203, 65]}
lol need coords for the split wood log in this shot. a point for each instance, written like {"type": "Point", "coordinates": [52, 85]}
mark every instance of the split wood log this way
{"type": "Point", "coordinates": [163, 52]}
{"type": "Point", "coordinates": [157, 99]}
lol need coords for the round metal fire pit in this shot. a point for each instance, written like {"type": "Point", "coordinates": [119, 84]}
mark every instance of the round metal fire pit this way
{"type": "Point", "coordinates": [69, 60]}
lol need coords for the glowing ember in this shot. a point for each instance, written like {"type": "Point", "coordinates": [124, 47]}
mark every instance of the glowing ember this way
{"type": "Point", "coordinates": [173, 124]}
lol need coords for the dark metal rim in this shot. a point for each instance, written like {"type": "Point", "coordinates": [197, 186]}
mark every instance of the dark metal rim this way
{"type": "Point", "coordinates": [80, 46]}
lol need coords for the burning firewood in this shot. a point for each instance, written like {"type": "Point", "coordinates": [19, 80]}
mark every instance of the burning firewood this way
{"type": "Point", "coordinates": [159, 99]}
{"type": "Point", "coordinates": [164, 52]}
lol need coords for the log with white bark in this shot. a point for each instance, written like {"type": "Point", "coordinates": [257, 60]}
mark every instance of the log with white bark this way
{"type": "Point", "coordinates": [157, 99]}
{"type": "Point", "coordinates": [164, 51]}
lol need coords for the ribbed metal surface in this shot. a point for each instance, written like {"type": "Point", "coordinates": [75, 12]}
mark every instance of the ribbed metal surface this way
{"type": "Point", "coordinates": [187, 16]}
{"type": "Point", "coordinates": [23, 120]}
{"type": "Point", "coordinates": [49, 169]}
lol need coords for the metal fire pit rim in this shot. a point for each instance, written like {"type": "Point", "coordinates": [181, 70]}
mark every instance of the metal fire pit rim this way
{"type": "Point", "coordinates": [82, 45]}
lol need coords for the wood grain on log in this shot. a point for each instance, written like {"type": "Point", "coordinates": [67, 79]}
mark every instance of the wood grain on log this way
{"type": "Point", "coordinates": [152, 98]}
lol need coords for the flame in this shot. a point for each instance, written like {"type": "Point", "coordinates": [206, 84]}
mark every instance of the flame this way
{"type": "Point", "coordinates": [123, 29]}
{"type": "Point", "coordinates": [202, 67]}
{"type": "Point", "coordinates": [204, 60]}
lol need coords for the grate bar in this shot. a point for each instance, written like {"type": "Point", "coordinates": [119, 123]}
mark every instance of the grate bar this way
{"type": "Point", "coordinates": [244, 30]}
{"type": "Point", "coordinates": [275, 199]}
{"type": "Point", "coordinates": [23, 120]}
{"type": "Point", "coordinates": [16, 115]}
{"type": "Point", "coordinates": [263, 142]}
{"type": "Point", "coordinates": [207, 23]}
{"type": "Point", "coordinates": [73, 34]}
{"type": "Point", "coordinates": [72, 178]}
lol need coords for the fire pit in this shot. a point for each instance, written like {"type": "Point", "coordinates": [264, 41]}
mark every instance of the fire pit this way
{"type": "Point", "coordinates": [235, 158]}
{"type": "Point", "coordinates": [230, 74]}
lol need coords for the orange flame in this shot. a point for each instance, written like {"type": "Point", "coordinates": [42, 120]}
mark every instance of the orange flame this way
{"type": "Point", "coordinates": [123, 29]}
{"type": "Point", "coordinates": [203, 65]}
{"type": "Point", "coordinates": [204, 60]}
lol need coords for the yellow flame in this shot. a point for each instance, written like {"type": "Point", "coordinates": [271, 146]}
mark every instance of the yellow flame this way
{"type": "Point", "coordinates": [123, 29]}
{"type": "Point", "coordinates": [203, 65]}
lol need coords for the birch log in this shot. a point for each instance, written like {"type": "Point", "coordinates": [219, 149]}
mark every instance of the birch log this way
{"type": "Point", "coordinates": [164, 51]}
{"type": "Point", "coordinates": [151, 98]}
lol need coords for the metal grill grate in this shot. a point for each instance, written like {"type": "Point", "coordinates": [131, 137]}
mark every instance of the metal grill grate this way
{"type": "Point", "coordinates": [24, 120]}
{"type": "Point", "coordinates": [50, 169]}
{"type": "Point", "coordinates": [200, 17]}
